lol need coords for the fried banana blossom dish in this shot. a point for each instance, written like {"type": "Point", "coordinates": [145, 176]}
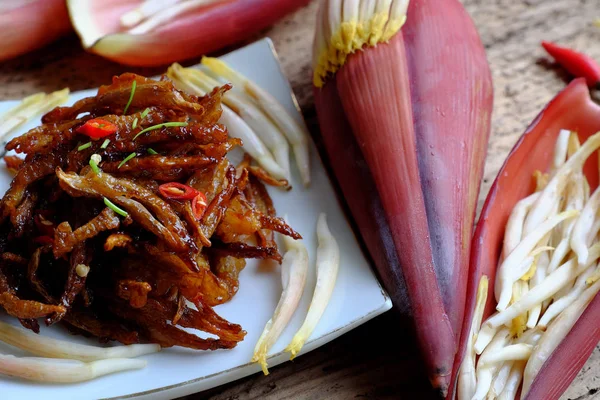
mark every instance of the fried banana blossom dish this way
{"type": "Point", "coordinates": [126, 221]}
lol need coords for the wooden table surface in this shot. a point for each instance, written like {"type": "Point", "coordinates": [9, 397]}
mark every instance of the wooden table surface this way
{"type": "Point", "coordinates": [378, 360]}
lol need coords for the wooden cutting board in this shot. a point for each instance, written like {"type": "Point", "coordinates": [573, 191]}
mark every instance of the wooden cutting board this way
{"type": "Point", "coordinates": [378, 360]}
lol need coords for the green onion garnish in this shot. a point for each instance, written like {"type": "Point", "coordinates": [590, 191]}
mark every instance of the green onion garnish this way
{"type": "Point", "coordinates": [146, 111]}
{"type": "Point", "coordinates": [105, 144]}
{"type": "Point", "coordinates": [94, 166]}
{"type": "Point", "coordinates": [129, 157]}
{"type": "Point", "coordinates": [114, 207]}
{"type": "Point", "coordinates": [134, 125]}
{"type": "Point", "coordinates": [84, 146]}
{"type": "Point", "coordinates": [164, 125]}
{"type": "Point", "coordinates": [133, 86]}
{"type": "Point", "coordinates": [152, 151]}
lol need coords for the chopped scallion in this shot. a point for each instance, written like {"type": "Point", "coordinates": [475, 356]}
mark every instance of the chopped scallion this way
{"type": "Point", "coordinates": [152, 151]}
{"type": "Point", "coordinates": [164, 125]}
{"type": "Point", "coordinates": [134, 125]}
{"type": "Point", "coordinates": [94, 166]}
{"type": "Point", "coordinates": [105, 144]}
{"type": "Point", "coordinates": [84, 146]}
{"type": "Point", "coordinates": [129, 157]}
{"type": "Point", "coordinates": [133, 86]}
{"type": "Point", "coordinates": [145, 113]}
{"type": "Point", "coordinates": [114, 207]}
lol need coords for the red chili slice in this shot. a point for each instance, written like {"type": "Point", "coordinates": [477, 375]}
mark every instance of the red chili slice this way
{"type": "Point", "coordinates": [177, 191]}
{"type": "Point", "coordinates": [97, 128]}
{"type": "Point", "coordinates": [199, 205]}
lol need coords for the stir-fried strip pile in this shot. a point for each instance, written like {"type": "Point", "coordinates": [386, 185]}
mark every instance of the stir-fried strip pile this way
{"type": "Point", "coordinates": [126, 221]}
{"type": "Point", "coordinates": [547, 275]}
{"type": "Point", "coordinates": [254, 116]}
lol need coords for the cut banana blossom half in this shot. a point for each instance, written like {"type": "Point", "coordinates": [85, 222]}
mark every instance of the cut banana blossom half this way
{"type": "Point", "coordinates": [373, 64]}
{"type": "Point", "coordinates": [328, 262]}
{"type": "Point", "coordinates": [31, 24]}
{"type": "Point", "coordinates": [294, 132]}
{"type": "Point", "coordinates": [294, 269]}
{"type": "Point", "coordinates": [170, 31]}
{"type": "Point", "coordinates": [63, 371]}
{"type": "Point", "coordinates": [28, 108]}
{"type": "Point", "coordinates": [47, 347]}
{"type": "Point", "coordinates": [568, 304]}
{"type": "Point", "coordinates": [236, 126]}
{"type": "Point", "coordinates": [270, 135]}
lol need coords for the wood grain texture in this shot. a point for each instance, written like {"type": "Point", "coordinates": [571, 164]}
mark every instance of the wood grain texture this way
{"type": "Point", "coordinates": [379, 359]}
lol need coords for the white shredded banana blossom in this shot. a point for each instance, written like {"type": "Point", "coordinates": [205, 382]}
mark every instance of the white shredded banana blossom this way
{"type": "Point", "coordinates": [583, 228]}
{"type": "Point", "coordinates": [555, 333]}
{"type": "Point", "coordinates": [327, 265]}
{"type": "Point", "coordinates": [53, 348]}
{"type": "Point", "coordinates": [552, 192]}
{"type": "Point", "coordinates": [560, 149]}
{"type": "Point", "coordinates": [512, 383]}
{"type": "Point", "coordinates": [30, 107]}
{"type": "Point", "coordinates": [552, 284]}
{"type": "Point", "coordinates": [63, 371]}
{"type": "Point", "coordinates": [561, 303]}
{"type": "Point", "coordinates": [485, 373]}
{"type": "Point", "coordinates": [260, 123]}
{"type": "Point", "coordinates": [294, 269]}
{"type": "Point", "coordinates": [505, 274]}
{"type": "Point", "coordinates": [467, 380]}
{"type": "Point", "coordinates": [294, 132]}
{"type": "Point", "coordinates": [236, 126]}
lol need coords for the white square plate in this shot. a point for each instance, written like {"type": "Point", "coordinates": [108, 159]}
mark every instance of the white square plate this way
{"type": "Point", "coordinates": [174, 372]}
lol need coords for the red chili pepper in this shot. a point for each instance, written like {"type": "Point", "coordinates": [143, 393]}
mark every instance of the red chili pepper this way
{"type": "Point", "coordinates": [177, 191]}
{"type": "Point", "coordinates": [199, 205]}
{"type": "Point", "coordinates": [97, 128]}
{"type": "Point", "coordinates": [578, 64]}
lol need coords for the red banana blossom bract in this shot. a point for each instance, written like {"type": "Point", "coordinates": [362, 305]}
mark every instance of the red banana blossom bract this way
{"type": "Point", "coordinates": [30, 24]}
{"type": "Point", "coordinates": [194, 33]}
{"type": "Point", "coordinates": [410, 118]}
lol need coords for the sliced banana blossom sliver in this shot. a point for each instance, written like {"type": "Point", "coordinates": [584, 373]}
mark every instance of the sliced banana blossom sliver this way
{"type": "Point", "coordinates": [467, 380]}
{"type": "Point", "coordinates": [512, 383]}
{"type": "Point", "coordinates": [294, 132]}
{"type": "Point", "coordinates": [555, 333]}
{"type": "Point", "coordinates": [552, 192]}
{"type": "Point", "coordinates": [580, 240]}
{"type": "Point", "coordinates": [236, 126]}
{"type": "Point", "coordinates": [63, 371]}
{"type": "Point", "coordinates": [328, 261]}
{"type": "Point", "coordinates": [506, 276]}
{"type": "Point", "coordinates": [260, 123]}
{"type": "Point", "coordinates": [30, 107]}
{"type": "Point", "coordinates": [485, 373]}
{"type": "Point", "coordinates": [560, 149]}
{"type": "Point", "coordinates": [53, 348]}
{"type": "Point", "coordinates": [294, 269]}
{"type": "Point", "coordinates": [551, 285]}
